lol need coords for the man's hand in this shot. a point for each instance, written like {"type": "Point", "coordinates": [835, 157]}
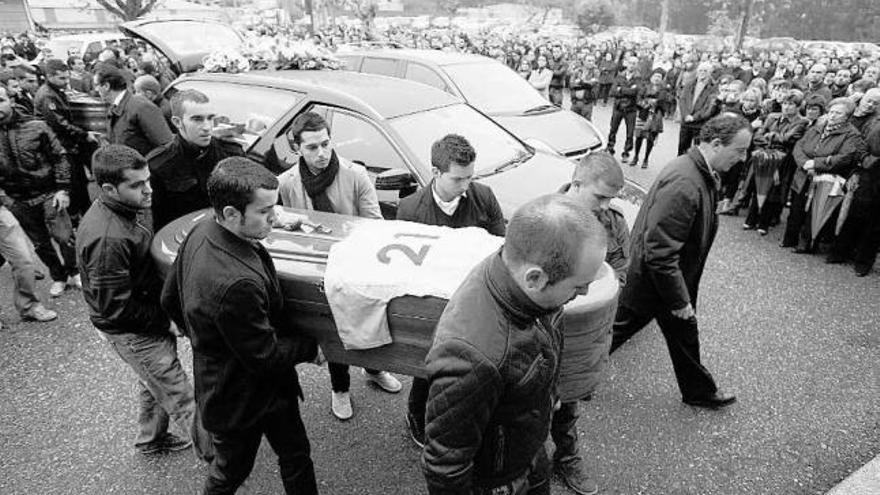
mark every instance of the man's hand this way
{"type": "Point", "coordinates": [689, 118]}
{"type": "Point", "coordinates": [685, 313]}
{"type": "Point", "coordinates": [61, 200]}
{"type": "Point", "coordinates": [94, 137]}
{"type": "Point", "coordinates": [809, 165]}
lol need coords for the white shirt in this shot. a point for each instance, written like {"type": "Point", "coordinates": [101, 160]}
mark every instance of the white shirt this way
{"type": "Point", "coordinates": [118, 98]}
{"type": "Point", "coordinates": [447, 207]}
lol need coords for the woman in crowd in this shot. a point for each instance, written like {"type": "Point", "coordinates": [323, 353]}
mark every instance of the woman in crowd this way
{"type": "Point", "coordinates": [825, 157]}
{"type": "Point", "coordinates": [541, 76]}
{"type": "Point", "coordinates": [652, 106]}
{"type": "Point", "coordinates": [773, 144]}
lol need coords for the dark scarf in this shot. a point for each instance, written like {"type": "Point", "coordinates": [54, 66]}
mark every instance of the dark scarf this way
{"type": "Point", "coordinates": [316, 185]}
{"type": "Point", "coordinates": [829, 128]}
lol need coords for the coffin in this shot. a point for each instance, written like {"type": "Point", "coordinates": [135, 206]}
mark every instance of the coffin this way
{"type": "Point", "coordinates": [88, 113]}
{"type": "Point", "coordinates": [300, 258]}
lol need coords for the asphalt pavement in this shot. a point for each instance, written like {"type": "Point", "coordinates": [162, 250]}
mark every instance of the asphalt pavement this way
{"type": "Point", "coordinates": [797, 340]}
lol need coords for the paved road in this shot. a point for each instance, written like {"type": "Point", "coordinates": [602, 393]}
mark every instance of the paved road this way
{"type": "Point", "coordinates": [797, 340]}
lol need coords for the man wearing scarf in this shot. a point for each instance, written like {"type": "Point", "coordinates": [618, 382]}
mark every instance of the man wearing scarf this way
{"type": "Point", "coordinates": [323, 181]}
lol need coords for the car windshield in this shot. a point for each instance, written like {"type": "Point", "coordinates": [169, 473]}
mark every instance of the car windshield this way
{"type": "Point", "coordinates": [495, 147]}
{"type": "Point", "coordinates": [192, 37]}
{"type": "Point", "coordinates": [494, 88]}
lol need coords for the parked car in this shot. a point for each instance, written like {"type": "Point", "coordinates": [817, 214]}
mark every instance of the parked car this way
{"type": "Point", "coordinates": [91, 44]}
{"type": "Point", "coordinates": [489, 86]}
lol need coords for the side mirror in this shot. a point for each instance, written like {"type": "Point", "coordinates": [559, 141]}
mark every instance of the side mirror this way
{"type": "Point", "coordinates": [394, 179]}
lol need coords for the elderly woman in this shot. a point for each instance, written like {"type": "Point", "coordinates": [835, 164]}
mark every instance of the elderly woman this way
{"type": "Point", "coordinates": [826, 155]}
{"type": "Point", "coordinates": [773, 144]}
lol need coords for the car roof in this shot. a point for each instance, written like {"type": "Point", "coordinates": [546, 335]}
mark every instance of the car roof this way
{"type": "Point", "coordinates": [109, 35]}
{"type": "Point", "coordinates": [379, 93]}
{"type": "Point", "coordinates": [426, 56]}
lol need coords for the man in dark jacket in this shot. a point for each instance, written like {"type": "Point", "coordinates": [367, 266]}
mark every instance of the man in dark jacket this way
{"type": "Point", "coordinates": [697, 105]}
{"type": "Point", "coordinates": [625, 90]}
{"type": "Point", "coordinates": [559, 65]}
{"type": "Point", "coordinates": [452, 199]}
{"type": "Point", "coordinates": [816, 83]}
{"type": "Point", "coordinates": [122, 286]}
{"type": "Point", "coordinates": [27, 84]}
{"type": "Point", "coordinates": [494, 362]}
{"type": "Point", "coordinates": [672, 237]}
{"type": "Point", "coordinates": [132, 119]}
{"type": "Point", "coordinates": [35, 180]}
{"type": "Point", "coordinates": [244, 348]}
{"type": "Point", "coordinates": [51, 105]}
{"type": "Point", "coordinates": [180, 169]}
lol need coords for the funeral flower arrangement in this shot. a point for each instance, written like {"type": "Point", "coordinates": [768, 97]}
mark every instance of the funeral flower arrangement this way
{"type": "Point", "coordinates": [273, 54]}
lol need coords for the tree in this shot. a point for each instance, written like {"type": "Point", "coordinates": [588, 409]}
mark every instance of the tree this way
{"type": "Point", "coordinates": [128, 10]}
{"type": "Point", "coordinates": [594, 15]}
{"type": "Point", "coordinates": [365, 10]}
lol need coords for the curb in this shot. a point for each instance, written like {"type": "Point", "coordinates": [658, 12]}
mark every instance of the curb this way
{"type": "Point", "coordinates": [865, 481]}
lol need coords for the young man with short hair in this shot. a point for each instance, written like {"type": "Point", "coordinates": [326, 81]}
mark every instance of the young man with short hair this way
{"type": "Point", "coordinates": [180, 169]}
{"type": "Point", "coordinates": [224, 293]}
{"type": "Point", "coordinates": [324, 181]}
{"type": "Point", "coordinates": [452, 199]}
{"type": "Point", "coordinates": [121, 286]}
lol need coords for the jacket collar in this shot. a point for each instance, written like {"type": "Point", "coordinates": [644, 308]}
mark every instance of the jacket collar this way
{"type": "Point", "coordinates": [241, 249]}
{"type": "Point", "coordinates": [118, 107]}
{"type": "Point", "coordinates": [190, 150]}
{"type": "Point", "coordinates": [509, 296]}
{"type": "Point", "coordinates": [119, 207]}
{"type": "Point", "coordinates": [704, 168]}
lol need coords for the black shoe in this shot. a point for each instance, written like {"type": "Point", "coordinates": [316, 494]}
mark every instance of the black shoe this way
{"type": "Point", "coordinates": [835, 259]}
{"type": "Point", "coordinates": [803, 250]}
{"type": "Point", "coordinates": [416, 431]}
{"type": "Point", "coordinates": [610, 150]}
{"type": "Point", "coordinates": [645, 164]}
{"type": "Point", "coordinates": [862, 270]}
{"type": "Point", "coordinates": [748, 226]}
{"type": "Point", "coordinates": [784, 244]}
{"type": "Point", "coordinates": [624, 156]}
{"type": "Point", "coordinates": [576, 478]}
{"type": "Point", "coordinates": [715, 401]}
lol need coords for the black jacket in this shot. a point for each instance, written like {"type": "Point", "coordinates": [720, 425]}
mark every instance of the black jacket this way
{"type": "Point", "coordinates": [137, 123]}
{"type": "Point", "coordinates": [477, 208]}
{"type": "Point", "coordinates": [223, 292]}
{"type": "Point", "coordinates": [492, 369]}
{"type": "Point", "coordinates": [703, 108]}
{"type": "Point", "coordinates": [672, 237]}
{"type": "Point", "coordinates": [179, 175]}
{"type": "Point", "coordinates": [626, 91]}
{"type": "Point", "coordinates": [52, 106]}
{"type": "Point", "coordinates": [32, 161]}
{"type": "Point", "coordinates": [120, 282]}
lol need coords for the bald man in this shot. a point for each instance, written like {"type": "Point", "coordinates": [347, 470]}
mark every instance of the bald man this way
{"type": "Point", "coordinates": [149, 87]}
{"type": "Point", "coordinates": [816, 82]}
{"type": "Point", "coordinates": [697, 105]}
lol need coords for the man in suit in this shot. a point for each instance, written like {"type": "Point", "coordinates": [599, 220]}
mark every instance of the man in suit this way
{"type": "Point", "coordinates": [697, 105]}
{"type": "Point", "coordinates": [224, 293]}
{"type": "Point", "coordinates": [671, 239]}
{"type": "Point", "coordinates": [132, 120]}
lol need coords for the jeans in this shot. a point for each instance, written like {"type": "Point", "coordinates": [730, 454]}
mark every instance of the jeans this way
{"type": "Point", "coordinates": [42, 223]}
{"type": "Point", "coordinates": [16, 248]}
{"type": "Point", "coordinates": [563, 430]}
{"type": "Point", "coordinates": [682, 340]}
{"type": "Point", "coordinates": [236, 451]}
{"type": "Point", "coordinates": [339, 379]}
{"type": "Point", "coordinates": [164, 391]}
{"type": "Point", "coordinates": [628, 117]}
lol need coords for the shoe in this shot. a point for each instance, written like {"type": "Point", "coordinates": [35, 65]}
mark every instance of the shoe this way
{"type": "Point", "coordinates": [724, 205]}
{"type": "Point", "coordinates": [747, 226]}
{"type": "Point", "coordinates": [861, 270]}
{"type": "Point", "coordinates": [784, 244]}
{"type": "Point", "coordinates": [624, 156]}
{"type": "Point", "coordinates": [340, 404]}
{"type": "Point", "coordinates": [168, 443]}
{"type": "Point", "coordinates": [576, 478]}
{"type": "Point", "coordinates": [74, 281]}
{"type": "Point", "coordinates": [803, 250]}
{"type": "Point", "coordinates": [39, 313]}
{"type": "Point", "coordinates": [633, 162]}
{"type": "Point", "coordinates": [762, 231]}
{"type": "Point", "coordinates": [57, 288]}
{"type": "Point", "coordinates": [416, 430]}
{"type": "Point", "coordinates": [715, 401]}
{"type": "Point", "coordinates": [645, 164]}
{"type": "Point", "coordinates": [610, 150]}
{"type": "Point", "coordinates": [385, 381]}
{"type": "Point", "coordinates": [835, 259]}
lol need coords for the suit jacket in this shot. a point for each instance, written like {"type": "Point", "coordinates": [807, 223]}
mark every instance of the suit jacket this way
{"type": "Point", "coordinates": [223, 292]}
{"type": "Point", "coordinates": [703, 108]}
{"type": "Point", "coordinates": [672, 236]}
{"type": "Point", "coordinates": [137, 123]}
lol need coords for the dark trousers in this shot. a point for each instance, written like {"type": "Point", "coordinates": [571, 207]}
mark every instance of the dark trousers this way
{"type": "Point", "coordinates": [339, 379]}
{"type": "Point", "coordinates": [604, 92]}
{"type": "Point", "coordinates": [556, 97]}
{"type": "Point", "coordinates": [797, 228]}
{"type": "Point", "coordinates": [687, 136]}
{"type": "Point", "coordinates": [42, 223]}
{"type": "Point", "coordinates": [648, 138]}
{"type": "Point", "coordinates": [563, 430]}
{"type": "Point", "coordinates": [418, 397]}
{"type": "Point", "coordinates": [682, 340]}
{"type": "Point", "coordinates": [860, 236]}
{"type": "Point", "coordinates": [235, 452]}
{"type": "Point", "coordinates": [761, 217]}
{"type": "Point", "coordinates": [583, 108]}
{"type": "Point", "coordinates": [629, 118]}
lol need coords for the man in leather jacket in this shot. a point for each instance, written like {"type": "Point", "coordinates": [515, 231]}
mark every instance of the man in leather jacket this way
{"type": "Point", "coordinates": [494, 362]}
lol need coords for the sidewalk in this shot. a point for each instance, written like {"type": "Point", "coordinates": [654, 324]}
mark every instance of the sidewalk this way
{"type": "Point", "coordinates": [865, 481]}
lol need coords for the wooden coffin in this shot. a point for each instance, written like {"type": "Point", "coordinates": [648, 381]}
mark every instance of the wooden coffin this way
{"type": "Point", "coordinates": [89, 113]}
{"type": "Point", "coordinates": [300, 258]}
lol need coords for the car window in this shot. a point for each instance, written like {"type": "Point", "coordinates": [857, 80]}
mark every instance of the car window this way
{"type": "Point", "coordinates": [423, 74]}
{"type": "Point", "coordinates": [494, 88]}
{"type": "Point", "coordinates": [359, 140]}
{"type": "Point", "coordinates": [381, 66]}
{"type": "Point", "coordinates": [245, 112]}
